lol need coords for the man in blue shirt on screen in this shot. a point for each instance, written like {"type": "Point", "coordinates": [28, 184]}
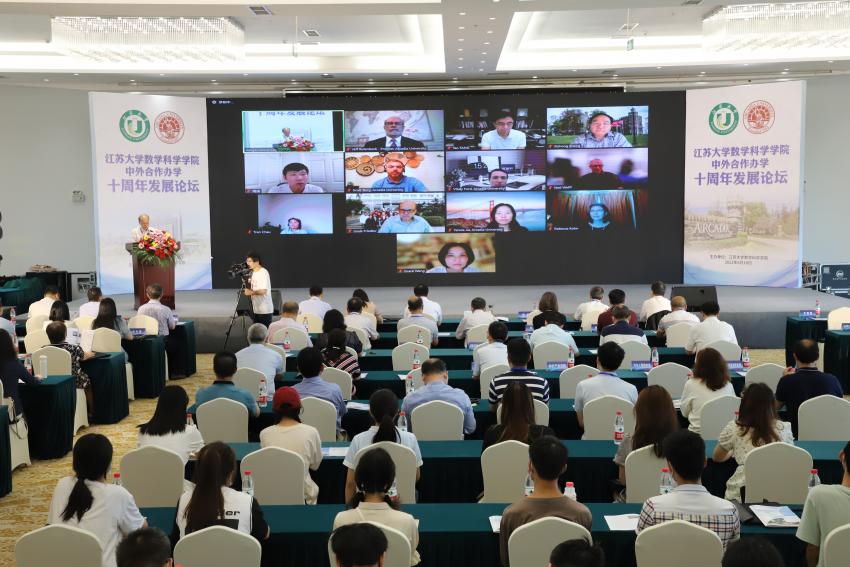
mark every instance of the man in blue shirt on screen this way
{"type": "Point", "coordinates": [396, 180]}
{"type": "Point", "coordinates": [406, 221]}
{"type": "Point", "coordinates": [435, 377]}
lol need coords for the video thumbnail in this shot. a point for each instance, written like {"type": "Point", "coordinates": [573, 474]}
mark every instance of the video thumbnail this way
{"type": "Point", "coordinates": [393, 130]}
{"type": "Point", "coordinates": [445, 253]}
{"type": "Point", "coordinates": [498, 212]}
{"type": "Point", "coordinates": [598, 169]}
{"type": "Point", "coordinates": [597, 127]}
{"type": "Point", "coordinates": [294, 214]}
{"type": "Point", "coordinates": [294, 172]}
{"type": "Point", "coordinates": [502, 170]}
{"type": "Point", "coordinates": [395, 213]}
{"type": "Point", "coordinates": [611, 211]}
{"type": "Point", "coordinates": [292, 131]}
{"type": "Point", "coordinates": [495, 128]}
{"type": "Point", "coordinates": [394, 172]}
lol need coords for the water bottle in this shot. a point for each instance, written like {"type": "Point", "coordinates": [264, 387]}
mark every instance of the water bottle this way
{"type": "Point", "coordinates": [570, 491]}
{"type": "Point", "coordinates": [529, 485]}
{"type": "Point", "coordinates": [116, 479]}
{"type": "Point", "coordinates": [571, 358]}
{"type": "Point", "coordinates": [419, 337]}
{"type": "Point", "coordinates": [42, 366]}
{"type": "Point", "coordinates": [417, 362]}
{"type": "Point", "coordinates": [402, 421]}
{"type": "Point", "coordinates": [408, 384]}
{"type": "Point", "coordinates": [619, 428]}
{"type": "Point", "coordinates": [189, 419]}
{"type": "Point", "coordinates": [13, 316]}
{"type": "Point", "coordinates": [263, 398]}
{"type": "Point", "coordinates": [393, 491]}
{"type": "Point", "coordinates": [667, 482]}
{"type": "Point", "coordinates": [814, 479]}
{"type": "Point", "coordinates": [593, 327]}
{"type": "Point", "coordinates": [745, 357]}
{"type": "Point", "coordinates": [529, 328]}
{"type": "Point", "coordinates": [287, 344]}
{"type": "Point", "coordinates": [817, 309]}
{"type": "Point", "coordinates": [474, 368]}
{"type": "Point", "coordinates": [654, 357]}
{"type": "Point", "coordinates": [248, 484]}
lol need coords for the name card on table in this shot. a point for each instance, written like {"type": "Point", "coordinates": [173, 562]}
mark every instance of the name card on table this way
{"type": "Point", "coordinates": [593, 327]}
{"type": "Point", "coordinates": [472, 346]}
{"type": "Point", "coordinates": [523, 315]}
{"type": "Point", "coordinates": [641, 365]}
{"type": "Point", "coordinates": [845, 326]}
{"type": "Point", "coordinates": [807, 313]}
{"type": "Point", "coordinates": [735, 365]}
{"type": "Point", "coordinates": [556, 365]}
{"type": "Point", "coordinates": [137, 332]}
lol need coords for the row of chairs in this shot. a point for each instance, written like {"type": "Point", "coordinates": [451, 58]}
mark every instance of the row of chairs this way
{"type": "Point", "coordinates": [84, 323]}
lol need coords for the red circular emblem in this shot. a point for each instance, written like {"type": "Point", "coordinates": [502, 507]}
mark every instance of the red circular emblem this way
{"type": "Point", "coordinates": [758, 116]}
{"type": "Point", "coordinates": [169, 127]}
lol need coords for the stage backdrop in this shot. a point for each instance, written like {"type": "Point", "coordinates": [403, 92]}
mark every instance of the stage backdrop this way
{"type": "Point", "coordinates": [150, 156]}
{"type": "Point", "coordinates": [743, 176]}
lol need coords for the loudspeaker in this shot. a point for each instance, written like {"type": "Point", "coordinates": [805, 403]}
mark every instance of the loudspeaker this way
{"type": "Point", "coordinates": [695, 295]}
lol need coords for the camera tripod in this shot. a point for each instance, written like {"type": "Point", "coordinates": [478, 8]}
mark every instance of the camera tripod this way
{"type": "Point", "coordinates": [239, 314]}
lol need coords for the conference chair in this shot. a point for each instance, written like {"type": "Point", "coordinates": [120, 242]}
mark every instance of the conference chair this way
{"type": "Point", "coordinates": [437, 421]}
{"type": "Point", "coordinates": [487, 375]}
{"type": "Point", "coordinates": [403, 355]}
{"type": "Point", "coordinates": [36, 323]}
{"type": "Point", "coordinates": [223, 420]}
{"type": "Point", "coordinates": [634, 351]}
{"type": "Point", "coordinates": [678, 334]}
{"type": "Point", "coordinates": [311, 322]}
{"type": "Point", "coordinates": [836, 547]}
{"type": "Point", "coordinates": [321, 414]}
{"type": "Point", "coordinates": [767, 373]}
{"type": "Point", "coordinates": [762, 481]}
{"type": "Point", "coordinates": [412, 333]}
{"type": "Point", "coordinates": [504, 467]}
{"type": "Point", "coordinates": [529, 320]}
{"type": "Point", "coordinates": [84, 322]}
{"type": "Point", "coordinates": [153, 475]}
{"type": "Point", "coordinates": [823, 418]}
{"type": "Point", "coordinates": [108, 340]}
{"type": "Point", "coordinates": [599, 417]}
{"type": "Point", "coordinates": [34, 341]}
{"type": "Point", "coordinates": [59, 364]}
{"type": "Point", "coordinates": [297, 337]}
{"type": "Point", "coordinates": [278, 475]}
{"type": "Point", "coordinates": [532, 543]}
{"type": "Point", "coordinates": [371, 317]}
{"type": "Point", "coordinates": [715, 414]}
{"type": "Point", "coordinates": [477, 334]}
{"type": "Point", "coordinates": [670, 376]}
{"type": "Point", "coordinates": [728, 349]}
{"type": "Point", "coordinates": [249, 379]}
{"type": "Point", "coordinates": [834, 320]}
{"type": "Point", "coordinates": [146, 322]}
{"type": "Point", "coordinates": [550, 351]}
{"type": "Point", "coordinates": [351, 351]}
{"type": "Point", "coordinates": [58, 544]}
{"type": "Point", "coordinates": [570, 377]}
{"type": "Point", "coordinates": [643, 474]}
{"type": "Point", "coordinates": [653, 320]}
{"type": "Point", "coordinates": [399, 548]}
{"type": "Point", "coordinates": [541, 413]}
{"type": "Point", "coordinates": [677, 542]}
{"type": "Point", "coordinates": [405, 468]}
{"type": "Point", "coordinates": [591, 317]}
{"type": "Point", "coordinates": [417, 378]}
{"type": "Point", "coordinates": [218, 546]}
{"type": "Point", "coordinates": [278, 349]}
{"type": "Point", "coordinates": [18, 435]}
{"type": "Point", "coordinates": [363, 337]}
{"type": "Point", "coordinates": [341, 378]}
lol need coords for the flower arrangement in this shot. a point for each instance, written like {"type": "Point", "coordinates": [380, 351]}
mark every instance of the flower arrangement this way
{"type": "Point", "coordinates": [294, 144]}
{"type": "Point", "coordinates": [157, 247]}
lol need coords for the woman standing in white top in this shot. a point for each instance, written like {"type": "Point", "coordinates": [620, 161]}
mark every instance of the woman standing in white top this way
{"type": "Point", "coordinates": [291, 434]}
{"type": "Point", "coordinates": [374, 476]}
{"type": "Point", "coordinates": [86, 501]}
{"type": "Point", "coordinates": [168, 428]}
{"type": "Point", "coordinates": [710, 380]}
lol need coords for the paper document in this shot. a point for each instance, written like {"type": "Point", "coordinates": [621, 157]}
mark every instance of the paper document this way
{"type": "Point", "coordinates": [358, 406]}
{"type": "Point", "coordinates": [445, 334]}
{"type": "Point", "coordinates": [622, 523]}
{"type": "Point", "coordinates": [334, 451]}
{"type": "Point", "coordinates": [363, 375]}
{"type": "Point", "coordinates": [775, 516]}
{"type": "Point", "coordinates": [86, 340]}
{"type": "Point", "coordinates": [592, 350]}
{"type": "Point", "coordinates": [402, 376]}
{"type": "Point", "coordinates": [495, 523]}
{"type": "Point", "coordinates": [501, 318]}
{"type": "Point", "coordinates": [677, 403]}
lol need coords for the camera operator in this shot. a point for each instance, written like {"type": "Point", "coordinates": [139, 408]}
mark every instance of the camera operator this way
{"type": "Point", "coordinates": [259, 290]}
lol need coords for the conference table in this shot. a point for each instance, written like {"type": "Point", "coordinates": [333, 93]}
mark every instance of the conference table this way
{"type": "Point", "coordinates": [583, 339]}
{"type": "Point", "coordinates": [147, 355]}
{"type": "Point", "coordinates": [49, 408]}
{"type": "Point", "coordinates": [5, 451]}
{"type": "Point", "coordinates": [836, 357]}
{"type": "Point", "coordinates": [797, 328]}
{"type": "Point", "coordinates": [109, 387]}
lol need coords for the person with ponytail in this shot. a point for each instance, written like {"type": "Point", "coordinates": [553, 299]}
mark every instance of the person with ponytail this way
{"type": "Point", "coordinates": [211, 502]}
{"type": "Point", "coordinates": [87, 501]}
{"type": "Point", "coordinates": [167, 427]}
{"type": "Point", "coordinates": [383, 408]}
{"type": "Point", "coordinates": [517, 424]}
{"type": "Point", "coordinates": [374, 476]}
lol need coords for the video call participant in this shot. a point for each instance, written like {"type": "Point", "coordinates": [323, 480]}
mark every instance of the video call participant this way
{"type": "Point", "coordinates": [456, 258]}
{"type": "Point", "coordinates": [394, 127]}
{"type": "Point", "coordinates": [406, 221]}
{"type": "Point", "coordinates": [498, 179]}
{"type": "Point", "coordinates": [260, 291]}
{"type": "Point", "coordinates": [293, 226]}
{"type": "Point", "coordinates": [503, 218]}
{"type": "Point", "coordinates": [504, 137]}
{"type": "Point", "coordinates": [296, 177]}
{"type": "Point", "coordinates": [598, 178]}
{"type": "Point", "coordinates": [599, 134]}
{"type": "Point", "coordinates": [396, 180]}
{"type": "Point", "coordinates": [599, 219]}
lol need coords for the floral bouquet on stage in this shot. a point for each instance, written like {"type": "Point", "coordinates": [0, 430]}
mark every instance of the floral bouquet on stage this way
{"type": "Point", "coordinates": [294, 144]}
{"type": "Point", "coordinates": [157, 247]}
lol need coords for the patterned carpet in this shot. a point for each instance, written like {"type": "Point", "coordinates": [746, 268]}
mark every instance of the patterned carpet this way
{"type": "Point", "coordinates": [25, 509]}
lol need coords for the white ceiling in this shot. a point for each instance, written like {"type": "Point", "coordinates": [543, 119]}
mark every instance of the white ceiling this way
{"type": "Point", "coordinates": [410, 45]}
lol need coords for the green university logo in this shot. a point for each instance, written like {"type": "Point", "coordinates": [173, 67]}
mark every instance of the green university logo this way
{"type": "Point", "coordinates": [723, 118]}
{"type": "Point", "coordinates": [134, 125]}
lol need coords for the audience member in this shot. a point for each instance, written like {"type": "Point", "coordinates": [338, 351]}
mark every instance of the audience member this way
{"type": "Point", "coordinates": [260, 357]}
{"type": "Point", "coordinates": [5, 323]}
{"type": "Point", "coordinates": [153, 308]}
{"type": "Point", "coordinates": [43, 305]}
{"type": "Point", "coordinates": [313, 386]}
{"type": "Point", "coordinates": [678, 314]}
{"type": "Point", "coordinates": [359, 545]}
{"type": "Point", "coordinates": [11, 371]}
{"type": "Point", "coordinates": [167, 427]}
{"type": "Point", "coordinates": [374, 477]}
{"type": "Point", "coordinates": [429, 307]}
{"type": "Point", "coordinates": [805, 381]}
{"type": "Point", "coordinates": [656, 302]}
{"type": "Point", "coordinates": [609, 356]}
{"type": "Point", "coordinates": [752, 551]}
{"type": "Point", "coordinates": [335, 320]}
{"type": "Point", "coordinates": [355, 318]}
{"type": "Point", "coordinates": [548, 303]}
{"type": "Point", "coordinates": [435, 378]}
{"type": "Point", "coordinates": [91, 307]}
{"type": "Point", "coordinates": [477, 316]}
{"type": "Point", "coordinates": [519, 353]}
{"type": "Point", "coordinates": [56, 334]}
{"type": "Point", "coordinates": [553, 331]}
{"type": "Point", "coordinates": [690, 501]}
{"type": "Point", "coordinates": [757, 425]}
{"type": "Point", "coordinates": [288, 320]}
{"type": "Point", "coordinates": [548, 461]}
{"type": "Point", "coordinates": [145, 547]}
{"type": "Point", "coordinates": [289, 433]}
{"type": "Point", "coordinates": [577, 553]}
{"type": "Point", "coordinates": [59, 312]}
{"type": "Point", "coordinates": [494, 351]}
{"type": "Point", "coordinates": [595, 304]}
{"type": "Point", "coordinates": [335, 355]}
{"type": "Point", "coordinates": [415, 316]}
{"type": "Point", "coordinates": [259, 290]}
{"type": "Point", "coordinates": [315, 304]}
{"type": "Point", "coordinates": [710, 380]}
{"type": "Point", "coordinates": [616, 297]}
{"type": "Point", "coordinates": [107, 318]}
{"type": "Point", "coordinates": [517, 418]}
{"type": "Point", "coordinates": [368, 305]}
{"type": "Point", "coordinates": [224, 367]}
{"type": "Point", "coordinates": [710, 329]}
{"type": "Point", "coordinates": [87, 501]}
{"type": "Point", "coordinates": [383, 408]}
{"type": "Point", "coordinates": [620, 331]}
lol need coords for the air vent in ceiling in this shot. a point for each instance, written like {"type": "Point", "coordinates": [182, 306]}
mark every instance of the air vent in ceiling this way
{"type": "Point", "coordinates": [308, 43]}
{"type": "Point", "coordinates": [497, 73]}
{"type": "Point", "coordinates": [311, 33]}
{"type": "Point", "coordinates": [691, 2]}
{"type": "Point", "coordinates": [608, 72]}
{"type": "Point", "coordinates": [260, 11]}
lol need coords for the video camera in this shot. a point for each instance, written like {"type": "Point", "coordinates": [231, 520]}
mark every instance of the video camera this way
{"type": "Point", "coordinates": [239, 270]}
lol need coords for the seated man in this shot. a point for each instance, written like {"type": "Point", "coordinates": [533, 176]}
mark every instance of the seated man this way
{"type": "Point", "coordinates": [359, 545]}
{"type": "Point", "coordinates": [259, 357]}
{"type": "Point", "coordinates": [547, 462]}
{"type": "Point", "coordinates": [429, 307]}
{"type": "Point", "coordinates": [296, 179]}
{"type": "Point", "coordinates": [417, 317]}
{"type": "Point", "coordinates": [711, 329]}
{"type": "Point", "coordinates": [679, 314]}
{"type": "Point", "coordinates": [315, 305]}
{"type": "Point", "coordinates": [615, 297]}
{"type": "Point", "coordinates": [620, 331]}
{"type": "Point", "coordinates": [519, 353]}
{"type": "Point", "coordinates": [805, 382]}
{"type": "Point", "coordinates": [436, 380]}
{"type": "Point", "coordinates": [224, 367]}
{"type": "Point", "coordinates": [606, 383]}
{"type": "Point", "coordinates": [577, 553]}
{"type": "Point", "coordinates": [656, 302]}
{"type": "Point", "coordinates": [313, 386]}
{"type": "Point", "coordinates": [43, 305]}
{"type": "Point", "coordinates": [92, 306]}
{"type": "Point", "coordinates": [478, 316]}
{"type": "Point", "coordinates": [153, 308]}
{"type": "Point", "coordinates": [288, 320]}
{"type": "Point", "coordinates": [553, 331]}
{"type": "Point", "coordinates": [145, 547]}
{"type": "Point", "coordinates": [690, 501]}
{"type": "Point", "coordinates": [355, 318]}
{"type": "Point", "coordinates": [494, 351]}
{"type": "Point", "coordinates": [595, 304]}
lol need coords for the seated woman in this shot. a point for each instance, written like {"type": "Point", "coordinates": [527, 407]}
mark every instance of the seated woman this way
{"type": "Point", "coordinates": [211, 502]}
{"type": "Point", "coordinates": [334, 354]}
{"type": "Point", "coordinates": [291, 434]}
{"type": "Point", "coordinates": [374, 477]}
{"type": "Point", "coordinates": [710, 381]}
{"type": "Point", "coordinates": [56, 333]}
{"type": "Point", "coordinates": [757, 425]}
{"type": "Point", "coordinates": [368, 306]}
{"type": "Point", "coordinates": [88, 502]}
{"type": "Point", "coordinates": [335, 320]}
{"type": "Point", "coordinates": [167, 427]}
{"type": "Point", "coordinates": [548, 303]}
{"type": "Point", "coordinates": [59, 312]}
{"type": "Point", "coordinates": [11, 370]}
{"type": "Point", "coordinates": [517, 409]}
{"type": "Point", "coordinates": [107, 318]}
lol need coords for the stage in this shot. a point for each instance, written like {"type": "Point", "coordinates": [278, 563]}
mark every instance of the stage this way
{"type": "Point", "coordinates": [758, 314]}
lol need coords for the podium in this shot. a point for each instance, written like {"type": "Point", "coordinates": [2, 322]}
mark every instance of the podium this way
{"type": "Point", "coordinates": [146, 274]}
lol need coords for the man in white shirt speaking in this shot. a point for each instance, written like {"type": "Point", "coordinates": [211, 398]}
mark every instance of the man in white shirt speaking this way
{"type": "Point", "coordinates": [144, 226]}
{"type": "Point", "coordinates": [711, 329]}
{"type": "Point", "coordinates": [504, 137]}
{"type": "Point", "coordinates": [260, 291]}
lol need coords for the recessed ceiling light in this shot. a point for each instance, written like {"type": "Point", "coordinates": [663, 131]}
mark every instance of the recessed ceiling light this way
{"type": "Point", "coordinates": [786, 69]}
{"type": "Point", "coordinates": [406, 74]}
{"type": "Point", "coordinates": [615, 76]}
{"type": "Point", "coordinates": [483, 53]}
{"type": "Point", "coordinates": [488, 43]}
{"type": "Point", "coordinates": [454, 78]}
{"type": "Point", "coordinates": [292, 80]}
{"type": "Point", "coordinates": [461, 13]}
{"type": "Point", "coordinates": [534, 77]}
{"type": "Point", "coordinates": [371, 80]}
{"type": "Point", "coordinates": [480, 69]}
{"type": "Point", "coordinates": [461, 27]}
{"type": "Point", "coordinates": [746, 64]}
{"type": "Point", "coordinates": [132, 80]}
{"type": "Point", "coordinates": [46, 80]}
{"type": "Point", "coordinates": [76, 74]}
{"type": "Point", "coordinates": [213, 80]}
{"type": "Point", "coordinates": [460, 58]}
{"type": "Point", "coordinates": [326, 74]}
{"type": "Point", "coordinates": [460, 49]}
{"type": "Point", "coordinates": [460, 39]}
{"type": "Point", "coordinates": [575, 70]}
{"type": "Point", "coordinates": [830, 61]}
{"type": "Point", "coordinates": [784, 72]}
{"type": "Point", "coordinates": [492, 18]}
{"type": "Point", "coordinates": [162, 74]}
{"type": "Point", "coordinates": [489, 31]}
{"type": "Point", "coordinates": [460, 66]}
{"type": "Point", "coordinates": [659, 67]}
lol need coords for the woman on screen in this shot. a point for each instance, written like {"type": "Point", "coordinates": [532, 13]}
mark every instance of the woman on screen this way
{"type": "Point", "coordinates": [293, 226]}
{"type": "Point", "coordinates": [456, 258]}
{"type": "Point", "coordinates": [503, 218]}
{"type": "Point", "coordinates": [599, 218]}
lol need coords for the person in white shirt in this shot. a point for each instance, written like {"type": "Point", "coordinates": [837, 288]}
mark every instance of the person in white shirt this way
{"type": "Point", "coordinates": [415, 316]}
{"type": "Point", "coordinates": [140, 231]}
{"type": "Point", "coordinates": [316, 305]}
{"type": "Point", "coordinates": [429, 307]}
{"type": "Point", "coordinates": [711, 329]}
{"type": "Point", "coordinates": [494, 351]}
{"type": "Point", "coordinates": [595, 304]}
{"type": "Point", "coordinates": [552, 331]}
{"type": "Point", "coordinates": [606, 383]}
{"type": "Point", "coordinates": [260, 291]}
{"type": "Point", "coordinates": [709, 380]}
{"type": "Point", "coordinates": [678, 314]}
{"type": "Point", "coordinates": [296, 179]}
{"type": "Point", "coordinates": [88, 502]}
{"type": "Point", "coordinates": [167, 427]}
{"type": "Point", "coordinates": [260, 357]}
{"type": "Point", "coordinates": [355, 318]}
{"type": "Point", "coordinates": [43, 305]}
{"type": "Point", "coordinates": [478, 316]}
{"type": "Point", "coordinates": [91, 307]}
{"type": "Point", "coordinates": [656, 302]}
{"type": "Point", "coordinates": [504, 137]}
{"type": "Point", "coordinates": [288, 320]}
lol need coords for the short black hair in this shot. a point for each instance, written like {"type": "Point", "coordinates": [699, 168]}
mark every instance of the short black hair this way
{"type": "Point", "coordinates": [553, 317]}
{"type": "Point", "coordinates": [414, 304]}
{"type": "Point", "coordinates": [577, 553]}
{"type": "Point", "coordinates": [616, 296]}
{"type": "Point", "coordinates": [519, 351]}
{"type": "Point", "coordinates": [610, 355]}
{"type": "Point", "coordinates": [498, 331]}
{"type": "Point", "coordinates": [354, 305]}
{"type": "Point", "coordinates": [224, 364]}
{"type": "Point", "coordinates": [478, 303]}
{"type": "Point", "coordinates": [56, 332]}
{"type": "Point", "coordinates": [685, 451]}
{"type": "Point", "coordinates": [599, 113]}
{"type": "Point", "coordinates": [620, 312]}
{"type": "Point", "coordinates": [752, 552]}
{"type": "Point", "coordinates": [658, 288]}
{"type": "Point", "coordinates": [710, 307]}
{"type": "Point", "coordinates": [316, 290]}
{"type": "Point", "coordinates": [295, 166]}
{"type": "Point", "coordinates": [309, 362]}
{"type": "Point", "coordinates": [358, 544]}
{"type": "Point", "coordinates": [548, 457]}
{"type": "Point", "coordinates": [433, 366]}
{"type": "Point", "coordinates": [145, 547]}
{"type": "Point", "coordinates": [494, 170]}
{"type": "Point", "coordinates": [255, 257]}
{"type": "Point", "coordinates": [420, 289]}
{"type": "Point", "coordinates": [94, 293]}
{"type": "Point", "coordinates": [806, 351]}
{"type": "Point", "coordinates": [51, 290]}
{"type": "Point", "coordinates": [596, 292]}
{"type": "Point", "coordinates": [503, 114]}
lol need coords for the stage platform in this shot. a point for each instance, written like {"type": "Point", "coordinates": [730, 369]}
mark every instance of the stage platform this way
{"type": "Point", "coordinates": [758, 314]}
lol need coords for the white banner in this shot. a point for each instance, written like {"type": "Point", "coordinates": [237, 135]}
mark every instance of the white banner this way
{"type": "Point", "coordinates": [743, 180]}
{"type": "Point", "coordinates": [150, 156]}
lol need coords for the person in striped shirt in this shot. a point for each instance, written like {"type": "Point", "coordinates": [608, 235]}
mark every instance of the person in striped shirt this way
{"type": "Point", "coordinates": [519, 353]}
{"type": "Point", "coordinates": [334, 354]}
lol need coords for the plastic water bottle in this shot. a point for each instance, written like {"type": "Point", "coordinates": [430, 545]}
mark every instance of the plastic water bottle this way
{"type": "Point", "coordinates": [13, 315]}
{"type": "Point", "coordinates": [116, 479]}
{"type": "Point", "coordinates": [42, 366]}
{"type": "Point", "coordinates": [654, 357]}
{"type": "Point", "coordinates": [570, 491]}
{"type": "Point", "coordinates": [417, 362]}
{"type": "Point", "coordinates": [474, 368]}
{"type": "Point", "coordinates": [571, 358]}
{"type": "Point", "coordinates": [402, 421]}
{"type": "Point", "coordinates": [667, 482]}
{"type": "Point", "coordinates": [189, 419]}
{"type": "Point", "coordinates": [287, 344]}
{"type": "Point", "coordinates": [408, 384]}
{"type": "Point", "coordinates": [263, 398]}
{"type": "Point", "coordinates": [419, 337]}
{"type": "Point", "coordinates": [817, 308]}
{"type": "Point", "coordinates": [529, 485]}
{"type": "Point", "coordinates": [248, 483]}
{"type": "Point", "coordinates": [28, 363]}
{"type": "Point", "coordinates": [393, 491]}
{"type": "Point", "coordinates": [619, 428]}
{"type": "Point", "coordinates": [745, 357]}
{"type": "Point", "coordinates": [814, 479]}
{"type": "Point", "coordinates": [529, 328]}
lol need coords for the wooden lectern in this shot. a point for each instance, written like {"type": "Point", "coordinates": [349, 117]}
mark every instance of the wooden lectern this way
{"type": "Point", "coordinates": [146, 274]}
